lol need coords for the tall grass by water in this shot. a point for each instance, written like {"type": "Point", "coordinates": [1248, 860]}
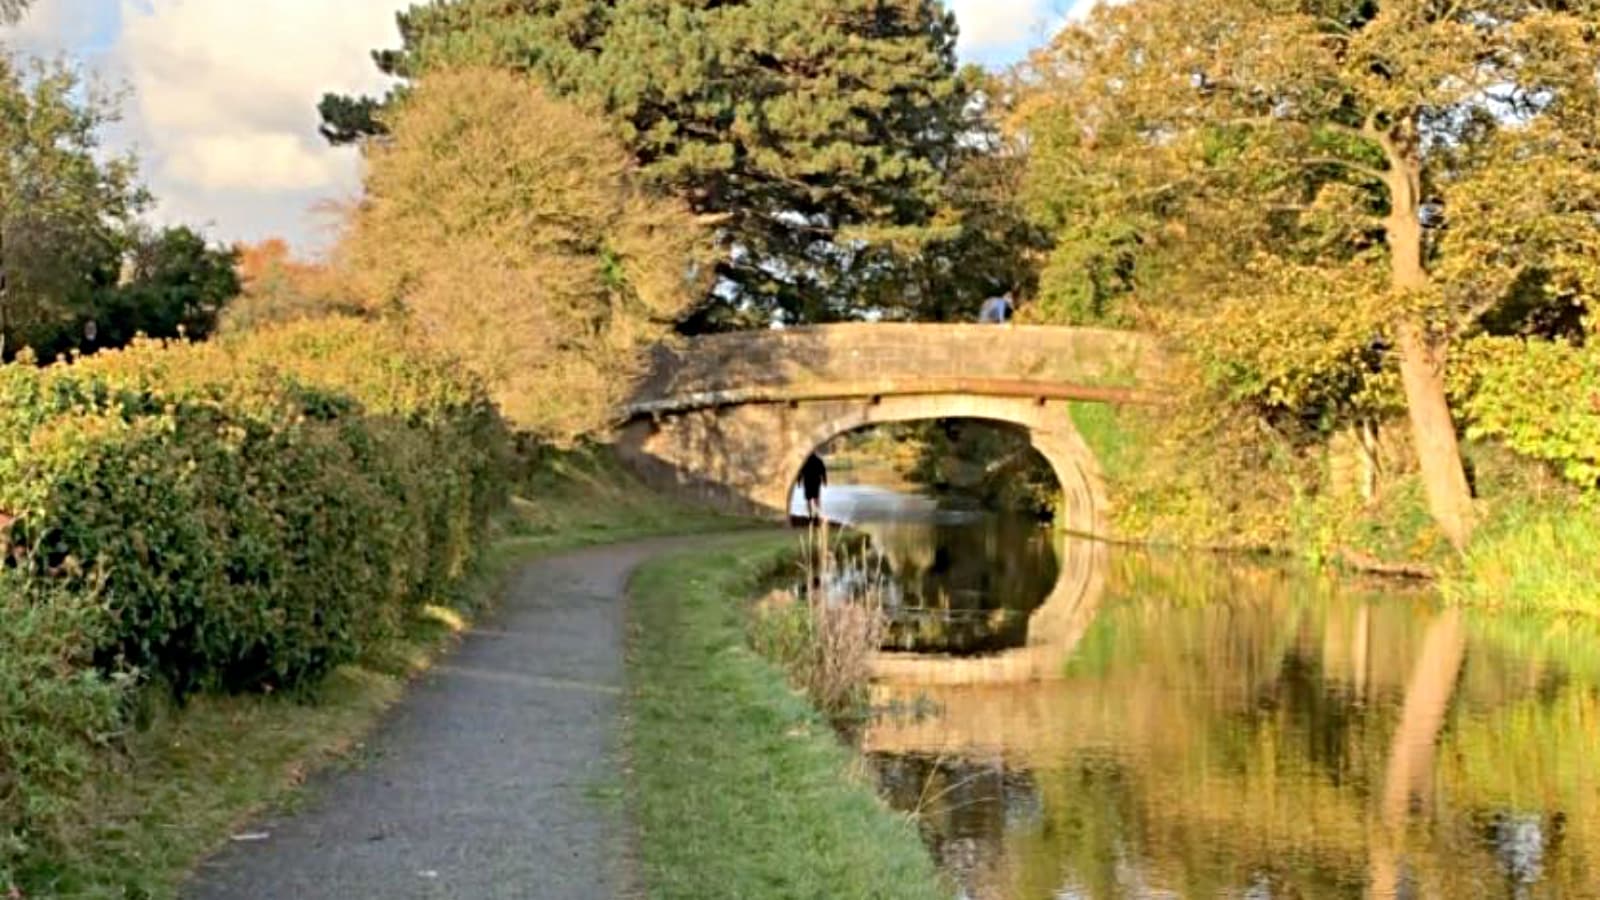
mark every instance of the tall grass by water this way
{"type": "Point", "coordinates": [740, 787]}
{"type": "Point", "coordinates": [826, 634]}
{"type": "Point", "coordinates": [1540, 558]}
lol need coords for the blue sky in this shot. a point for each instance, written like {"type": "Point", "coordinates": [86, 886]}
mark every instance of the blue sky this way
{"type": "Point", "coordinates": [221, 109]}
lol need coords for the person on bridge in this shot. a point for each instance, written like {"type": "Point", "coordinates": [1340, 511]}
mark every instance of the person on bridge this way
{"type": "Point", "coordinates": [997, 310]}
{"type": "Point", "coordinates": [813, 475]}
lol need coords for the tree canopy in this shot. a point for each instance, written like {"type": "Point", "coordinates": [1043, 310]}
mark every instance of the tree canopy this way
{"type": "Point", "coordinates": [817, 137]}
{"type": "Point", "coordinates": [63, 208]}
{"type": "Point", "coordinates": [1342, 177]}
{"type": "Point", "coordinates": [511, 227]}
{"type": "Point", "coordinates": [78, 271]}
{"type": "Point", "coordinates": [173, 283]}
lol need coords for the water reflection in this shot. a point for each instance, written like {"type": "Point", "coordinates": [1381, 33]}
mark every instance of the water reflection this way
{"type": "Point", "coordinates": [1225, 731]}
{"type": "Point", "coordinates": [960, 581]}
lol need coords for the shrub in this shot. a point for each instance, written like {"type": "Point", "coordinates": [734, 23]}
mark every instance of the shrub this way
{"type": "Point", "coordinates": [56, 715]}
{"type": "Point", "coordinates": [1541, 398]}
{"type": "Point", "coordinates": [255, 512]}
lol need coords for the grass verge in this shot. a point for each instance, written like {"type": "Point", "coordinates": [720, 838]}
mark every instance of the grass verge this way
{"type": "Point", "coordinates": [1538, 558]}
{"type": "Point", "coordinates": [740, 789]}
{"type": "Point", "coordinates": [191, 777]}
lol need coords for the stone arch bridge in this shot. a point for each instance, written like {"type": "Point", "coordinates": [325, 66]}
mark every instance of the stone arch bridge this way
{"type": "Point", "coordinates": [730, 418]}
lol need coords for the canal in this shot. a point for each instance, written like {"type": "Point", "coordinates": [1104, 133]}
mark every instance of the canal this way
{"type": "Point", "coordinates": [1199, 727]}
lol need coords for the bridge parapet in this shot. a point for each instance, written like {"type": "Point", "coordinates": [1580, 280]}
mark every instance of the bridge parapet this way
{"type": "Point", "coordinates": [730, 418]}
{"type": "Point", "coordinates": [900, 352]}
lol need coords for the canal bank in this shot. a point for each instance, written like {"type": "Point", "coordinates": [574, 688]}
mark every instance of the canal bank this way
{"type": "Point", "coordinates": [1200, 725]}
{"type": "Point", "coordinates": [739, 788]}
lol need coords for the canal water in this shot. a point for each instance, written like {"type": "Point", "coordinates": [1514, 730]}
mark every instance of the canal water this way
{"type": "Point", "coordinates": [1217, 729]}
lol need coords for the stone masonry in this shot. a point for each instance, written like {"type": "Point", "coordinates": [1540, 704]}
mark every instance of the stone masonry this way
{"type": "Point", "coordinates": [730, 418]}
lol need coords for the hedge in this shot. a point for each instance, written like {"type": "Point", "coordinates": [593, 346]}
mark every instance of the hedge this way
{"type": "Point", "coordinates": [250, 513]}
{"type": "Point", "coordinates": [58, 715]}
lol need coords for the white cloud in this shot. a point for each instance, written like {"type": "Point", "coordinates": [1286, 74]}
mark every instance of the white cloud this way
{"type": "Point", "coordinates": [261, 161]}
{"type": "Point", "coordinates": [1003, 30]}
{"type": "Point", "coordinates": [224, 92]}
{"type": "Point", "coordinates": [51, 27]}
{"type": "Point", "coordinates": [999, 24]}
{"type": "Point", "coordinates": [224, 103]}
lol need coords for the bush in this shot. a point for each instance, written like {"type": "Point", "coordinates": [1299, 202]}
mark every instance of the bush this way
{"type": "Point", "coordinates": [57, 713]}
{"type": "Point", "coordinates": [1541, 398]}
{"type": "Point", "coordinates": [255, 512]}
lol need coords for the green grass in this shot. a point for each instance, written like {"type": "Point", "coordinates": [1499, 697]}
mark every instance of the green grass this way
{"type": "Point", "coordinates": [740, 790]}
{"type": "Point", "coordinates": [1540, 558]}
{"type": "Point", "coordinates": [191, 777]}
{"type": "Point", "coordinates": [584, 498]}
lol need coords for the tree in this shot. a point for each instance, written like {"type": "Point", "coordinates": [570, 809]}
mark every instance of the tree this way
{"type": "Point", "coordinates": [511, 228]}
{"type": "Point", "coordinates": [981, 243]}
{"type": "Point", "coordinates": [64, 208]}
{"type": "Point", "coordinates": [816, 137]}
{"type": "Point", "coordinates": [275, 287]}
{"type": "Point", "coordinates": [1402, 162]}
{"type": "Point", "coordinates": [174, 284]}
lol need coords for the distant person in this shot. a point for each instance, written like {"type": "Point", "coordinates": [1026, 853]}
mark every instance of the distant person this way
{"type": "Point", "coordinates": [813, 475]}
{"type": "Point", "coordinates": [997, 310]}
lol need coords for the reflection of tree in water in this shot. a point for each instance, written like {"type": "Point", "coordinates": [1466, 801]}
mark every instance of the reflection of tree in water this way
{"type": "Point", "coordinates": [966, 586]}
{"type": "Point", "coordinates": [1247, 733]}
{"type": "Point", "coordinates": [963, 805]}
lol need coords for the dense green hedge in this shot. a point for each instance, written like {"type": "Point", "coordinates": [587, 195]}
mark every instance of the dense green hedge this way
{"type": "Point", "coordinates": [235, 516]}
{"type": "Point", "coordinates": [57, 715]}
{"type": "Point", "coordinates": [255, 512]}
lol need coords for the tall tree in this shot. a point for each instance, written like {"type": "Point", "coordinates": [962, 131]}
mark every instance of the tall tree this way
{"type": "Point", "coordinates": [1402, 162]}
{"type": "Point", "coordinates": [64, 206]}
{"type": "Point", "coordinates": [174, 284]}
{"type": "Point", "coordinates": [511, 228]}
{"type": "Point", "coordinates": [815, 136]}
{"type": "Point", "coordinates": [275, 287]}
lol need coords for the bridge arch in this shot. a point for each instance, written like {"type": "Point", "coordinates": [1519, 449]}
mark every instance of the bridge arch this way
{"type": "Point", "coordinates": [1048, 427]}
{"type": "Point", "coordinates": [729, 418]}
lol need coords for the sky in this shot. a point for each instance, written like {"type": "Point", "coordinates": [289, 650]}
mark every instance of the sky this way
{"type": "Point", "coordinates": [221, 94]}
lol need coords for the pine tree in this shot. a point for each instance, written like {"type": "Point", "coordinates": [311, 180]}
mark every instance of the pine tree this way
{"type": "Point", "coordinates": [816, 135]}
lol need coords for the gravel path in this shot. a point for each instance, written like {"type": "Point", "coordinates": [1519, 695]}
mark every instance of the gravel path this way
{"type": "Point", "coordinates": [495, 778]}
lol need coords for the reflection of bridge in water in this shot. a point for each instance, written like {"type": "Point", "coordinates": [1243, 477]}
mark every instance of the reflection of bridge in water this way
{"type": "Point", "coordinates": [1054, 630]}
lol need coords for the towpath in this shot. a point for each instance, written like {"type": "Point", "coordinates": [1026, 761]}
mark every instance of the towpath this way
{"type": "Point", "coordinates": [497, 777]}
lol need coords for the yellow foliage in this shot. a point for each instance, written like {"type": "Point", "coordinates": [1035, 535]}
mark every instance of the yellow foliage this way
{"type": "Point", "coordinates": [509, 226]}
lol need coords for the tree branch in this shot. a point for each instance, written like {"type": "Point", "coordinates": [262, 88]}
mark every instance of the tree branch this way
{"type": "Point", "coordinates": [1370, 172]}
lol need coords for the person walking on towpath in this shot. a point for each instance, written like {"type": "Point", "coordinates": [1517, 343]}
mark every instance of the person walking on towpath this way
{"type": "Point", "coordinates": [813, 475]}
{"type": "Point", "coordinates": [997, 310]}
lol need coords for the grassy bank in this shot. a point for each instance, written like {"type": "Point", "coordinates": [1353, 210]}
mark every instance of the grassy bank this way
{"type": "Point", "coordinates": [1535, 551]}
{"type": "Point", "coordinates": [188, 778]}
{"type": "Point", "coordinates": [740, 789]}
{"type": "Point", "coordinates": [1534, 558]}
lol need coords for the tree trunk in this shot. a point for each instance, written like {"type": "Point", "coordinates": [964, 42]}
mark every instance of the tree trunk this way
{"type": "Point", "coordinates": [1422, 361]}
{"type": "Point", "coordinates": [1434, 432]}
